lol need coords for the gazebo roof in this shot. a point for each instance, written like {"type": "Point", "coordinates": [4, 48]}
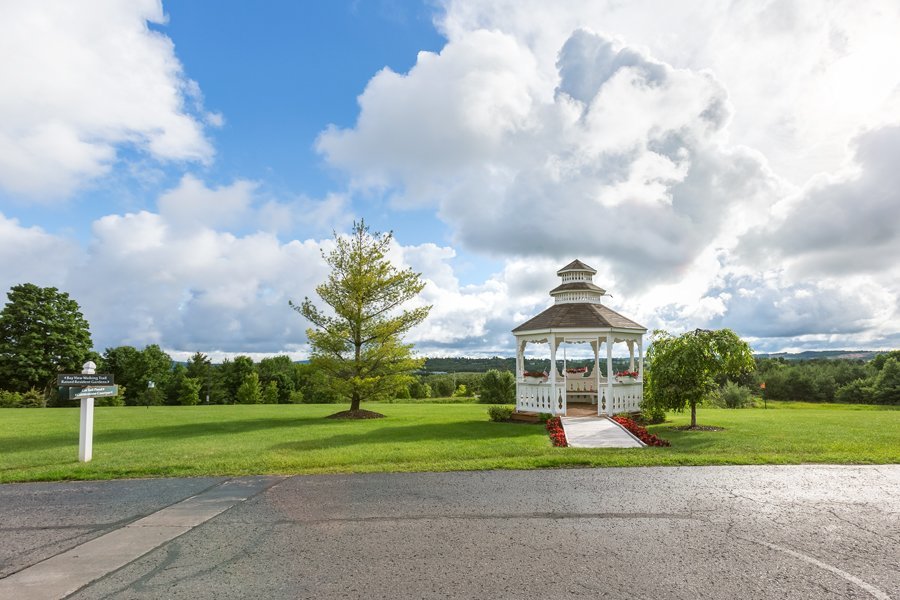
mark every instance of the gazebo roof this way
{"type": "Point", "coordinates": [577, 265]}
{"type": "Point", "coordinates": [578, 305]}
{"type": "Point", "coordinates": [577, 286]}
{"type": "Point", "coordinates": [584, 316]}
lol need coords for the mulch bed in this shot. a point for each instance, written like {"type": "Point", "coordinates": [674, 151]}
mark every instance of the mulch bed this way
{"type": "Point", "coordinates": [698, 428]}
{"type": "Point", "coordinates": [356, 414]}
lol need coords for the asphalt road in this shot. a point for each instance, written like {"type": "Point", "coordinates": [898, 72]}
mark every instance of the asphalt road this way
{"type": "Point", "coordinates": [711, 532]}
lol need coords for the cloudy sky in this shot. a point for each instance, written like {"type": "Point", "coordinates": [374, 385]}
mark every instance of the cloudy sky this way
{"type": "Point", "coordinates": [178, 167]}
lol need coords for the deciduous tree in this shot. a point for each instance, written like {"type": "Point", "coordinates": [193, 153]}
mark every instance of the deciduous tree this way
{"type": "Point", "coordinates": [42, 333]}
{"type": "Point", "coordinates": [359, 342]}
{"type": "Point", "coordinates": [684, 369]}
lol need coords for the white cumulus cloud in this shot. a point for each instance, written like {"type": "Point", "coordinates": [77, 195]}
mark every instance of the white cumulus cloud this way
{"type": "Point", "coordinates": [81, 81]}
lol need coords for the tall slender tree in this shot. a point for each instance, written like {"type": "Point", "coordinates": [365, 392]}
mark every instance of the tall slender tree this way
{"type": "Point", "coordinates": [359, 342]}
{"type": "Point", "coordinates": [42, 332]}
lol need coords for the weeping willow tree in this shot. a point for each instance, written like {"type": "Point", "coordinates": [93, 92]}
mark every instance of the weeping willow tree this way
{"type": "Point", "coordinates": [685, 369]}
{"type": "Point", "coordinates": [358, 343]}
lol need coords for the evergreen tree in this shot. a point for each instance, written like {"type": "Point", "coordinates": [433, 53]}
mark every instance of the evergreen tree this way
{"type": "Point", "coordinates": [360, 347]}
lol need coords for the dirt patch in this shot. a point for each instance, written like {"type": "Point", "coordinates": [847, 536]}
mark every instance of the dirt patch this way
{"type": "Point", "coordinates": [356, 414]}
{"type": "Point", "coordinates": [698, 428]}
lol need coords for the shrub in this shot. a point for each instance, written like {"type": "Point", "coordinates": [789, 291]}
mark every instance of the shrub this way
{"type": "Point", "coordinates": [33, 399]}
{"type": "Point", "coordinates": [498, 387]}
{"type": "Point", "coordinates": [500, 413]}
{"type": "Point", "coordinates": [651, 413]}
{"type": "Point", "coordinates": [462, 392]}
{"type": "Point", "coordinates": [10, 399]}
{"type": "Point", "coordinates": [296, 397]}
{"type": "Point", "coordinates": [731, 395]}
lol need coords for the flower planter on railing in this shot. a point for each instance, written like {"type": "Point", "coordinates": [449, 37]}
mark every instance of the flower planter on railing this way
{"type": "Point", "coordinates": [627, 376]}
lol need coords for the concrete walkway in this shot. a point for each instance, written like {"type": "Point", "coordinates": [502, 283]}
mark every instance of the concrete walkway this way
{"type": "Point", "coordinates": [597, 432]}
{"type": "Point", "coordinates": [63, 574]}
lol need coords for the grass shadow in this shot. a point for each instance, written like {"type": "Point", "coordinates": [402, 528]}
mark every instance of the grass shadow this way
{"type": "Point", "coordinates": [160, 432]}
{"type": "Point", "coordinates": [474, 430]}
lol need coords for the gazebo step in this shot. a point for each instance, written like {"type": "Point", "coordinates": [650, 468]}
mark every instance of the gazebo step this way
{"type": "Point", "coordinates": [525, 417]}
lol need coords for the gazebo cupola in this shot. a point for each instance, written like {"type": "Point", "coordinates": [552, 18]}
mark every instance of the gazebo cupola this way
{"type": "Point", "coordinates": [578, 316]}
{"type": "Point", "coordinates": [577, 284]}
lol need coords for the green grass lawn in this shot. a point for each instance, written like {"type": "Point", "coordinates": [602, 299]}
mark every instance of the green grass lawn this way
{"type": "Point", "coordinates": [40, 445]}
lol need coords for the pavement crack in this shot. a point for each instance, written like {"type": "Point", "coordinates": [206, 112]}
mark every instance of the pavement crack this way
{"type": "Point", "coordinates": [834, 514]}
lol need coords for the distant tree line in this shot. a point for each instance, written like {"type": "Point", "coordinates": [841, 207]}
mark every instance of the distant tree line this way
{"type": "Point", "coordinates": [43, 333]}
{"type": "Point", "coordinates": [483, 365]}
{"type": "Point", "coordinates": [846, 381]}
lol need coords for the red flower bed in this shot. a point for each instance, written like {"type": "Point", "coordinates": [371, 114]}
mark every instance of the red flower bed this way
{"type": "Point", "coordinates": [640, 432]}
{"type": "Point", "coordinates": [556, 431]}
{"type": "Point", "coordinates": [627, 374]}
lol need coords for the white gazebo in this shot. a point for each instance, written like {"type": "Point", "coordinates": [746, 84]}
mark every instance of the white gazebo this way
{"type": "Point", "coordinates": [578, 316]}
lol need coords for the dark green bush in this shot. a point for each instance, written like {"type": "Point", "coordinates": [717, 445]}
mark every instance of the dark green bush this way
{"type": "Point", "coordinates": [30, 399]}
{"type": "Point", "coordinates": [732, 395]}
{"type": "Point", "coordinates": [856, 392]}
{"type": "Point", "coordinates": [500, 413]}
{"type": "Point", "coordinates": [498, 387]}
{"type": "Point", "coordinates": [10, 399]}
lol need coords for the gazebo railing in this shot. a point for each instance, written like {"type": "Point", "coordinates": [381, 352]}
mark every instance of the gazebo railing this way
{"type": "Point", "coordinates": [626, 397]}
{"type": "Point", "coordinates": [539, 397]}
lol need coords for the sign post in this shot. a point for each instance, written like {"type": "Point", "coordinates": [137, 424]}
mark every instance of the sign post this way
{"type": "Point", "coordinates": [86, 386]}
{"type": "Point", "coordinates": [86, 431]}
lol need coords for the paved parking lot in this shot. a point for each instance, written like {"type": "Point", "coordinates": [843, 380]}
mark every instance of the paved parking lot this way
{"type": "Point", "coordinates": [694, 532]}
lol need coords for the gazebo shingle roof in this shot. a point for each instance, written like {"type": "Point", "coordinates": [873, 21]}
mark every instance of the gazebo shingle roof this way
{"type": "Point", "coordinates": [580, 316]}
{"type": "Point", "coordinates": [576, 265]}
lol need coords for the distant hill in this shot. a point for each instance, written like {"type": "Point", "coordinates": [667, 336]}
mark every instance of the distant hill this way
{"type": "Point", "coordinates": [480, 365]}
{"type": "Point", "coordinates": [826, 355]}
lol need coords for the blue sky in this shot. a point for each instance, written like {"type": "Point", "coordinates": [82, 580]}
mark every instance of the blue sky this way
{"type": "Point", "coordinates": [720, 166]}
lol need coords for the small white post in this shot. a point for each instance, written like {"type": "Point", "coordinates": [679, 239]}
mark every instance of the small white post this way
{"type": "Point", "coordinates": [86, 431]}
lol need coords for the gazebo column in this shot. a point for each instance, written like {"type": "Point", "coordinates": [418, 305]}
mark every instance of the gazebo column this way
{"type": "Point", "coordinates": [640, 358]}
{"type": "Point", "coordinates": [595, 345]}
{"type": "Point", "coordinates": [630, 355]}
{"type": "Point", "coordinates": [520, 369]}
{"type": "Point", "coordinates": [520, 359]}
{"type": "Point", "coordinates": [552, 374]}
{"type": "Point", "coordinates": [607, 409]}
